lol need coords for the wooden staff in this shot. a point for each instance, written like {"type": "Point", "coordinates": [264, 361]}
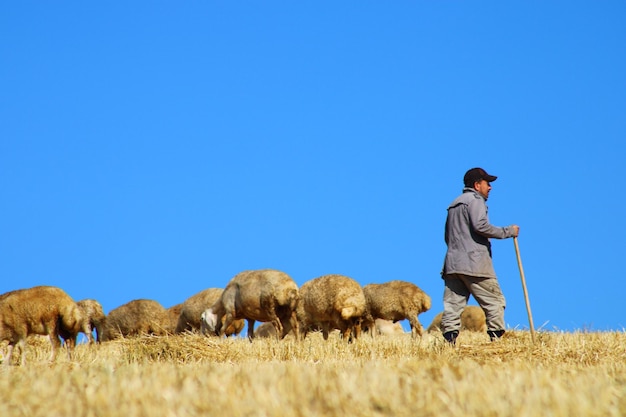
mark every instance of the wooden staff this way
{"type": "Point", "coordinates": [521, 271]}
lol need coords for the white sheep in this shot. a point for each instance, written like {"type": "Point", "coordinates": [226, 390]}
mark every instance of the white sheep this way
{"type": "Point", "coordinates": [41, 310]}
{"type": "Point", "coordinates": [137, 317]}
{"type": "Point", "coordinates": [331, 302]}
{"type": "Point", "coordinates": [265, 295]}
{"type": "Point", "coordinates": [396, 300]}
{"type": "Point", "coordinates": [388, 327]}
{"type": "Point", "coordinates": [193, 307]}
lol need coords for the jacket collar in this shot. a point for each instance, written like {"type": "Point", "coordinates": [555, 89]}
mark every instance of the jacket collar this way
{"type": "Point", "coordinates": [471, 190]}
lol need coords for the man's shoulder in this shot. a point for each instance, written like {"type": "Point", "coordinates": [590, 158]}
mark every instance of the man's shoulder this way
{"type": "Point", "coordinates": [466, 197]}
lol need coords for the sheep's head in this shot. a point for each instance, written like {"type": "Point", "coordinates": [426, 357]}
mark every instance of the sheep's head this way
{"type": "Point", "coordinates": [347, 312]}
{"type": "Point", "coordinates": [71, 319]}
{"type": "Point", "coordinates": [208, 321]}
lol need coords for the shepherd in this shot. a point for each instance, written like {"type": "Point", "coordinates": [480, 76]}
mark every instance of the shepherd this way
{"type": "Point", "coordinates": [468, 268]}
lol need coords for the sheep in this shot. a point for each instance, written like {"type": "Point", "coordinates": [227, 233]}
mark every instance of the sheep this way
{"type": "Point", "coordinates": [173, 313]}
{"type": "Point", "coordinates": [387, 327]}
{"type": "Point", "coordinates": [41, 310]}
{"type": "Point", "coordinates": [192, 308]}
{"type": "Point", "coordinates": [93, 319]}
{"type": "Point", "coordinates": [265, 295]}
{"type": "Point", "coordinates": [383, 327]}
{"type": "Point", "coordinates": [135, 318]}
{"type": "Point", "coordinates": [265, 330]}
{"type": "Point", "coordinates": [396, 300]}
{"type": "Point", "coordinates": [331, 302]}
{"type": "Point", "coordinates": [472, 319]}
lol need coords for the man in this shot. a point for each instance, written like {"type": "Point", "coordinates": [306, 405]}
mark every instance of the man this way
{"type": "Point", "coordinates": [468, 269]}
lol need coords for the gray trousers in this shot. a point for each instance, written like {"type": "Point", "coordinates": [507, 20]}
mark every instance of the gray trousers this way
{"type": "Point", "coordinates": [486, 292]}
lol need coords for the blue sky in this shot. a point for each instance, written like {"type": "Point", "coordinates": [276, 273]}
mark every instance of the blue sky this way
{"type": "Point", "coordinates": [154, 149]}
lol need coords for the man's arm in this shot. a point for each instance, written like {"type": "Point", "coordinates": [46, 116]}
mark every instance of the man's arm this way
{"type": "Point", "coordinates": [479, 220]}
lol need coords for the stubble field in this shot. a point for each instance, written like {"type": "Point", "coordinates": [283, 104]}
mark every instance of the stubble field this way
{"type": "Point", "coordinates": [562, 374]}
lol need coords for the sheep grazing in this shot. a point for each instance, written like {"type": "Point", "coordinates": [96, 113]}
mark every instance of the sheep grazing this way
{"type": "Point", "coordinates": [383, 327]}
{"type": "Point", "coordinates": [331, 302]}
{"type": "Point", "coordinates": [93, 318]}
{"type": "Point", "coordinates": [265, 295]}
{"type": "Point", "coordinates": [396, 300]}
{"type": "Point", "coordinates": [173, 313]}
{"type": "Point", "coordinates": [472, 319]}
{"type": "Point", "coordinates": [135, 318]}
{"type": "Point", "coordinates": [191, 312]}
{"type": "Point", "coordinates": [265, 330]}
{"type": "Point", "coordinates": [387, 327]}
{"type": "Point", "coordinates": [41, 310]}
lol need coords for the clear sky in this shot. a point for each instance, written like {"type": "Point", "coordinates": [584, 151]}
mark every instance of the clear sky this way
{"type": "Point", "coordinates": [155, 149]}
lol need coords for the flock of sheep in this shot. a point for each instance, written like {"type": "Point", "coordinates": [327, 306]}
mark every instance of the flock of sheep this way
{"type": "Point", "coordinates": [330, 302]}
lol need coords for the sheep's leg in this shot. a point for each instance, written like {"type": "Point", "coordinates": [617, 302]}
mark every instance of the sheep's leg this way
{"type": "Point", "coordinates": [349, 330]}
{"type": "Point", "coordinates": [278, 326]}
{"type": "Point", "coordinates": [98, 333]}
{"type": "Point", "coordinates": [269, 304]}
{"type": "Point", "coordinates": [7, 359]}
{"type": "Point", "coordinates": [356, 327]}
{"type": "Point", "coordinates": [346, 333]}
{"type": "Point", "coordinates": [416, 327]}
{"type": "Point", "coordinates": [325, 330]}
{"type": "Point", "coordinates": [22, 344]}
{"type": "Point", "coordinates": [55, 343]}
{"type": "Point", "coordinates": [367, 325]}
{"type": "Point", "coordinates": [304, 330]}
{"type": "Point", "coordinates": [287, 326]}
{"type": "Point", "coordinates": [70, 344]}
{"type": "Point", "coordinates": [250, 329]}
{"type": "Point", "coordinates": [293, 320]}
{"type": "Point", "coordinates": [88, 330]}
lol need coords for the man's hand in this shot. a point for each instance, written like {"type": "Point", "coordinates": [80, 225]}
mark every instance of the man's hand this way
{"type": "Point", "coordinates": [515, 229]}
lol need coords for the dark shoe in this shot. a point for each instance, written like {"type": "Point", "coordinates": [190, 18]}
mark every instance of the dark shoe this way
{"type": "Point", "coordinates": [451, 337]}
{"type": "Point", "coordinates": [495, 334]}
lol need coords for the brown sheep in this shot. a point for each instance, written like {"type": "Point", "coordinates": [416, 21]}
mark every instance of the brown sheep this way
{"type": "Point", "coordinates": [41, 310]}
{"type": "Point", "coordinates": [173, 313]}
{"type": "Point", "coordinates": [135, 318]}
{"type": "Point", "coordinates": [265, 330]}
{"type": "Point", "coordinates": [192, 308]}
{"type": "Point", "coordinates": [396, 300]}
{"type": "Point", "coordinates": [93, 318]}
{"type": "Point", "coordinates": [263, 295]}
{"type": "Point", "coordinates": [472, 319]}
{"type": "Point", "coordinates": [331, 302]}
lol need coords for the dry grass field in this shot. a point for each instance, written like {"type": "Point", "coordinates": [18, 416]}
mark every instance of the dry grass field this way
{"type": "Point", "coordinates": [561, 375]}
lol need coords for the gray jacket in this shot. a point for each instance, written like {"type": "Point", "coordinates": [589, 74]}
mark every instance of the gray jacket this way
{"type": "Point", "coordinates": [467, 236]}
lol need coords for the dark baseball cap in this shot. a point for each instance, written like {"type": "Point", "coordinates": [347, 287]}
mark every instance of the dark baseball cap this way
{"type": "Point", "coordinates": [477, 174]}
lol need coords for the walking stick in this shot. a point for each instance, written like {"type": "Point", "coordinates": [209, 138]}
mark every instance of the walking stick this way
{"type": "Point", "coordinates": [521, 271]}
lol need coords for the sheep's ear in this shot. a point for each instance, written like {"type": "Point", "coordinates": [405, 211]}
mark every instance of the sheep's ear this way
{"type": "Point", "coordinates": [210, 319]}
